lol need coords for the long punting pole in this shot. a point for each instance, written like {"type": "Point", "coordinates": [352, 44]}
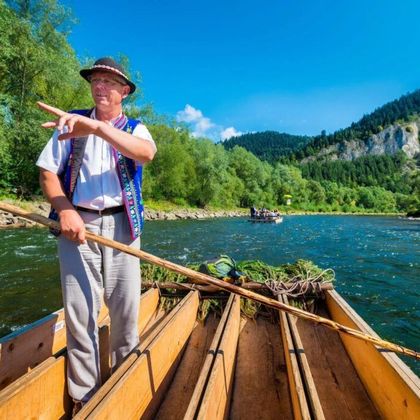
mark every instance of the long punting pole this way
{"type": "Point", "coordinates": [203, 278]}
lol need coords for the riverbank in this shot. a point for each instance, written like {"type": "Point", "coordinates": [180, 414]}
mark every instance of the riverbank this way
{"type": "Point", "coordinates": [167, 212]}
{"type": "Point", "coordinates": [8, 220]}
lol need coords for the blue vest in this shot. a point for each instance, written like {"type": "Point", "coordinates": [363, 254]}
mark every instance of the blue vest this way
{"type": "Point", "coordinates": [130, 175]}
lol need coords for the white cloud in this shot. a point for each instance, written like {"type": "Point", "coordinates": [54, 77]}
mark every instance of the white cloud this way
{"type": "Point", "coordinates": [229, 132]}
{"type": "Point", "coordinates": [202, 126]}
{"type": "Point", "coordinates": [189, 114]}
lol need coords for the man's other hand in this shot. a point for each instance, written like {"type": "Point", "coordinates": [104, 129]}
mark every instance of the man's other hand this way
{"type": "Point", "coordinates": [72, 226]}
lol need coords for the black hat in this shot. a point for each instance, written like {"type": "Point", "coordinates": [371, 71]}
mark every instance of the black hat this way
{"type": "Point", "coordinates": [109, 65]}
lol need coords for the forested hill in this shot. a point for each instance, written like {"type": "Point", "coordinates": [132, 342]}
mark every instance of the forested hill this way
{"type": "Point", "coordinates": [268, 145]}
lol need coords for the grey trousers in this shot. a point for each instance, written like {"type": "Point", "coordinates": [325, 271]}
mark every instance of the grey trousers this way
{"type": "Point", "coordinates": [90, 273]}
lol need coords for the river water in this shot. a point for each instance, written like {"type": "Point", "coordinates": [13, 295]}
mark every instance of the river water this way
{"type": "Point", "coordinates": [376, 261]}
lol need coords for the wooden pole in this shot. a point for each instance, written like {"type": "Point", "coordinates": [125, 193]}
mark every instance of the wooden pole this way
{"type": "Point", "coordinates": [205, 279]}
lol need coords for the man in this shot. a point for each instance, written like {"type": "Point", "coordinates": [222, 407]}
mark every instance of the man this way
{"type": "Point", "coordinates": [90, 172]}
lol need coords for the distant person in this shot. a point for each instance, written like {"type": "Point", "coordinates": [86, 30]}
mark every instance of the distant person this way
{"type": "Point", "coordinates": [91, 175]}
{"type": "Point", "coordinates": [253, 211]}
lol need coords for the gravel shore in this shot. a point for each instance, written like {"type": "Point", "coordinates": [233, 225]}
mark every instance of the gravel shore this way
{"type": "Point", "coordinates": [8, 220]}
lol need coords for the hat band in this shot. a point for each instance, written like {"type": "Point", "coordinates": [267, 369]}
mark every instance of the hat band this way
{"type": "Point", "coordinates": [103, 66]}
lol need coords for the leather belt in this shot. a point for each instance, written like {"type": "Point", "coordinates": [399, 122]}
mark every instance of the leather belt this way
{"type": "Point", "coordinates": [104, 212]}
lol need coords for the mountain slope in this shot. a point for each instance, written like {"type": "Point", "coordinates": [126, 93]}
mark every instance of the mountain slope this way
{"type": "Point", "coordinates": [268, 145]}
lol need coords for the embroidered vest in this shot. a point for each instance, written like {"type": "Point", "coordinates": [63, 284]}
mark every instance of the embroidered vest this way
{"type": "Point", "coordinates": [130, 175]}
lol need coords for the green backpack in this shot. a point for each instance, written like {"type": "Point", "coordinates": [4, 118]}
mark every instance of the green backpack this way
{"type": "Point", "coordinates": [221, 267]}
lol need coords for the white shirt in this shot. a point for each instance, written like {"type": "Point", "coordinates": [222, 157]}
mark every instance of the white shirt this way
{"type": "Point", "coordinates": [98, 186]}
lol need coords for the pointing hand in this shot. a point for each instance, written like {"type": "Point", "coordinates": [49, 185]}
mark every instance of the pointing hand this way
{"type": "Point", "coordinates": [77, 125]}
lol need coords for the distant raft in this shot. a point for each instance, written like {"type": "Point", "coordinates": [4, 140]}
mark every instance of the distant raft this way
{"type": "Point", "coordinates": [267, 219]}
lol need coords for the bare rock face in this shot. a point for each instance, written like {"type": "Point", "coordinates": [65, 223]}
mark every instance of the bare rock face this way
{"type": "Point", "coordinates": [397, 137]}
{"type": "Point", "coordinates": [393, 139]}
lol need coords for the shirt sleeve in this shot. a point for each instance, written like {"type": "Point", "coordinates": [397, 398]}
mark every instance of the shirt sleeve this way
{"type": "Point", "coordinates": [55, 154]}
{"type": "Point", "coordinates": [142, 132]}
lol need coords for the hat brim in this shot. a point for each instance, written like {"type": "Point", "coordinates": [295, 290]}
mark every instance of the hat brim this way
{"type": "Point", "coordinates": [86, 73]}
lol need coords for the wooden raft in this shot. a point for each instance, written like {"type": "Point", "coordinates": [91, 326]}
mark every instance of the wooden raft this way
{"type": "Point", "coordinates": [228, 367]}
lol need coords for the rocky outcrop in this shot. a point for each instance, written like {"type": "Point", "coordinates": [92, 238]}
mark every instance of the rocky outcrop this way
{"type": "Point", "coordinates": [192, 214]}
{"type": "Point", "coordinates": [9, 220]}
{"type": "Point", "coordinates": [389, 141]}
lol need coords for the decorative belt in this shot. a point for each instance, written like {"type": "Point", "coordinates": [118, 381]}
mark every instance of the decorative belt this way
{"type": "Point", "coordinates": [104, 212]}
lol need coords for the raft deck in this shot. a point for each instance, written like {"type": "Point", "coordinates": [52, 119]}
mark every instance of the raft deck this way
{"type": "Point", "coordinates": [226, 367]}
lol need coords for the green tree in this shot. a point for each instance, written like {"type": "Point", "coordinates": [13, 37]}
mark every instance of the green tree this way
{"type": "Point", "coordinates": [287, 180]}
{"type": "Point", "coordinates": [255, 175]}
{"type": "Point", "coordinates": [211, 173]}
{"type": "Point", "coordinates": [37, 64]}
{"type": "Point", "coordinates": [171, 175]}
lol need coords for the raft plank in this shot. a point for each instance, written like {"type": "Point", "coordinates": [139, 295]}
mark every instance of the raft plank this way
{"type": "Point", "coordinates": [216, 398]}
{"type": "Point", "coordinates": [297, 390]}
{"type": "Point", "coordinates": [22, 350]}
{"type": "Point", "coordinates": [392, 386]}
{"type": "Point", "coordinates": [156, 324]}
{"type": "Point", "coordinates": [260, 386]}
{"type": "Point", "coordinates": [208, 363]}
{"type": "Point", "coordinates": [34, 390]}
{"type": "Point", "coordinates": [104, 356]}
{"type": "Point", "coordinates": [339, 388]}
{"type": "Point", "coordinates": [179, 395]}
{"type": "Point", "coordinates": [34, 387]}
{"type": "Point", "coordinates": [38, 397]}
{"type": "Point", "coordinates": [13, 388]}
{"type": "Point", "coordinates": [134, 391]}
{"type": "Point", "coordinates": [148, 305]}
{"type": "Point", "coordinates": [310, 388]}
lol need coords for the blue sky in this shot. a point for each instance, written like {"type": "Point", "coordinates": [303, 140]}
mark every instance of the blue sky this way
{"type": "Point", "coordinates": [294, 66]}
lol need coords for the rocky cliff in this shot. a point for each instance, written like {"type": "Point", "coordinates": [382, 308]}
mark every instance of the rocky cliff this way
{"type": "Point", "coordinates": [389, 141]}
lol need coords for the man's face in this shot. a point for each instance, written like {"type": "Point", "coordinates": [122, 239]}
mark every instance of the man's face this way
{"type": "Point", "coordinates": [108, 89]}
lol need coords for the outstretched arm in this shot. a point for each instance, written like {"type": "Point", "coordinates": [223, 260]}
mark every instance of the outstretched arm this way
{"type": "Point", "coordinates": [133, 147]}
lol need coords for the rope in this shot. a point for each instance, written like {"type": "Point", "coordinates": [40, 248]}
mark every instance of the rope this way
{"type": "Point", "coordinates": [299, 286]}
